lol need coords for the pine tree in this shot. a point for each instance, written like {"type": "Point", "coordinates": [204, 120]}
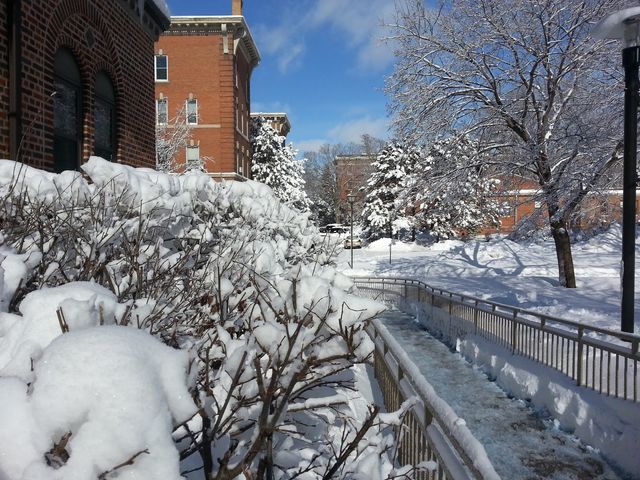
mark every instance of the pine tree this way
{"type": "Point", "coordinates": [274, 164]}
{"type": "Point", "coordinates": [381, 213]}
{"type": "Point", "coordinates": [450, 192]}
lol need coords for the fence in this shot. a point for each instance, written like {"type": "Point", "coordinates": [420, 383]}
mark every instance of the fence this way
{"type": "Point", "coordinates": [432, 431]}
{"type": "Point", "coordinates": [603, 360]}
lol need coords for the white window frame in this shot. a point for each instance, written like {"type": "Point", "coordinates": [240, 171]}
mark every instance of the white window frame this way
{"type": "Point", "coordinates": [192, 148]}
{"type": "Point", "coordinates": [164, 100]}
{"type": "Point", "coordinates": [186, 109]}
{"type": "Point", "coordinates": [155, 67]}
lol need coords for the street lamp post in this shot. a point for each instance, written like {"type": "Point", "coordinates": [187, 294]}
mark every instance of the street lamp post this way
{"type": "Point", "coordinates": [625, 26]}
{"type": "Point", "coordinates": [351, 198]}
{"type": "Point", "coordinates": [390, 236]}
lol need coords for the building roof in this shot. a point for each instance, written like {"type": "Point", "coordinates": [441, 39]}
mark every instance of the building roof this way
{"type": "Point", "coordinates": [278, 117]}
{"type": "Point", "coordinates": [218, 24]}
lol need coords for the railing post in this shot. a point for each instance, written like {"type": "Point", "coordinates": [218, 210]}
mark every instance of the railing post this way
{"type": "Point", "coordinates": [450, 313]}
{"type": "Point", "coordinates": [514, 332]}
{"type": "Point", "coordinates": [579, 357]}
{"type": "Point", "coordinates": [475, 318]}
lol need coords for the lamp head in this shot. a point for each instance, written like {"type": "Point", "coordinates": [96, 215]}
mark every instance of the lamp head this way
{"type": "Point", "coordinates": [623, 25]}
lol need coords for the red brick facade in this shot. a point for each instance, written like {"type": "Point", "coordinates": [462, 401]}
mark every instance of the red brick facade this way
{"type": "Point", "coordinates": [110, 37]}
{"type": "Point", "coordinates": [210, 59]}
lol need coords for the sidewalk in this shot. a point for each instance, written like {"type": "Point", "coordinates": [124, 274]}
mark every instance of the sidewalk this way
{"type": "Point", "coordinates": [521, 443]}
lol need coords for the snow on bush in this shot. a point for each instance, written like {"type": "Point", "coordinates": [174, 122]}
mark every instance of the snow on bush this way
{"type": "Point", "coordinates": [222, 271]}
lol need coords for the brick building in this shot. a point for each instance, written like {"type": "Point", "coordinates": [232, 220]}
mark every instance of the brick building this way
{"type": "Point", "coordinates": [76, 79]}
{"type": "Point", "coordinates": [523, 199]}
{"type": "Point", "coordinates": [352, 174]}
{"type": "Point", "coordinates": [203, 72]}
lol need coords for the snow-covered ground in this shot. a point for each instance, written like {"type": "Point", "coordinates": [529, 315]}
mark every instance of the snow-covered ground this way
{"type": "Point", "coordinates": [523, 274]}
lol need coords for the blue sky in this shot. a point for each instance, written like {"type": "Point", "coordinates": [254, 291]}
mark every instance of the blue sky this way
{"type": "Point", "coordinates": [322, 63]}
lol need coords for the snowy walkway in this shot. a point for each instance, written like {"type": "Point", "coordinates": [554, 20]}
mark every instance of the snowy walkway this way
{"type": "Point", "coordinates": [521, 443]}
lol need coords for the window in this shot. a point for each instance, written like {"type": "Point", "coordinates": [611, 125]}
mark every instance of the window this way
{"type": "Point", "coordinates": [162, 68]}
{"type": "Point", "coordinates": [193, 156]}
{"type": "Point", "coordinates": [67, 112]}
{"type": "Point", "coordinates": [162, 109]}
{"type": "Point", "coordinates": [192, 111]}
{"type": "Point", "coordinates": [104, 117]}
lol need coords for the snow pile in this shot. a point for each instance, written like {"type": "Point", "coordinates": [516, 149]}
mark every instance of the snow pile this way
{"type": "Point", "coordinates": [99, 394]}
{"type": "Point", "coordinates": [23, 338]}
{"type": "Point", "coordinates": [237, 284]}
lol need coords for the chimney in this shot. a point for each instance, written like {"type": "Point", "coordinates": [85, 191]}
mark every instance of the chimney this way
{"type": "Point", "coordinates": [236, 7]}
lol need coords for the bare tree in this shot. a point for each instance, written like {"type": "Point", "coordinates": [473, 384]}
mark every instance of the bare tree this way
{"type": "Point", "coordinates": [525, 79]}
{"type": "Point", "coordinates": [172, 136]}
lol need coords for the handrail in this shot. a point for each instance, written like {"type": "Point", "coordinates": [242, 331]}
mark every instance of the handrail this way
{"type": "Point", "coordinates": [606, 365]}
{"type": "Point", "coordinates": [433, 430]}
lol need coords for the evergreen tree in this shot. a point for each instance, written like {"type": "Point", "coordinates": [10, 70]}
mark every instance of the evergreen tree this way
{"type": "Point", "coordinates": [381, 212]}
{"type": "Point", "coordinates": [274, 164]}
{"type": "Point", "coordinates": [450, 193]}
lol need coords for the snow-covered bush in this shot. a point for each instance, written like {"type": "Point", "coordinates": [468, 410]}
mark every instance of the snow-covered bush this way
{"type": "Point", "coordinates": [262, 337]}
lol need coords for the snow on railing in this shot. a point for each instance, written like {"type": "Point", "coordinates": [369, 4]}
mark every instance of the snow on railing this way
{"type": "Point", "coordinates": [433, 435]}
{"type": "Point", "coordinates": [601, 359]}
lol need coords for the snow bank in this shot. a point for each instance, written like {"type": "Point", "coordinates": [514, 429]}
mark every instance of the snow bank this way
{"type": "Point", "coordinates": [608, 424]}
{"type": "Point", "coordinates": [396, 246]}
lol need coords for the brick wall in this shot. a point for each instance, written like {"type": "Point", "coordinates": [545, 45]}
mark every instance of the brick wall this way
{"type": "Point", "coordinates": [4, 80]}
{"type": "Point", "coordinates": [198, 65]}
{"type": "Point", "coordinates": [104, 35]}
{"type": "Point", "coordinates": [243, 113]}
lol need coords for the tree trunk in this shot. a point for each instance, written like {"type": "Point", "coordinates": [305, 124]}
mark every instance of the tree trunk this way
{"type": "Point", "coordinates": [566, 273]}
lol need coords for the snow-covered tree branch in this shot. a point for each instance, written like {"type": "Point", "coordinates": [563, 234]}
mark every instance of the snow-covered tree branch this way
{"type": "Point", "coordinates": [527, 81]}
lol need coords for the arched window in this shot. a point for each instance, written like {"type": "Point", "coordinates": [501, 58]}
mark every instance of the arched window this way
{"type": "Point", "coordinates": [67, 112]}
{"type": "Point", "coordinates": [104, 117]}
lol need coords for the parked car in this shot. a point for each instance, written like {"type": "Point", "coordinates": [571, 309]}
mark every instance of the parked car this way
{"type": "Point", "coordinates": [334, 228]}
{"type": "Point", "coordinates": [357, 243]}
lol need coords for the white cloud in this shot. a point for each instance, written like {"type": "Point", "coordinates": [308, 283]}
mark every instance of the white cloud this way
{"type": "Point", "coordinates": [309, 145]}
{"type": "Point", "coordinates": [358, 22]}
{"type": "Point", "coordinates": [352, 131]}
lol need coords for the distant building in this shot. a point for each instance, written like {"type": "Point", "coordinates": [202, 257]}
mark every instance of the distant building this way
{"type": "Point", "coordinates": [76, 79]}
{"type": "Point", "coordinates": [352, 174]}
{"type": "Point", "coordinates": [524, 200]}
{"type": "Point", "coordinates": [203, 72]}
{"type": "Point", "coordinates": [279, 121]}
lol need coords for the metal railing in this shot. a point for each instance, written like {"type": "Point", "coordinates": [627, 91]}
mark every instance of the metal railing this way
{"type": "Point", "coordinates": [603, 360]}
{"type": "Point", "coordinates": [431, 429]}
